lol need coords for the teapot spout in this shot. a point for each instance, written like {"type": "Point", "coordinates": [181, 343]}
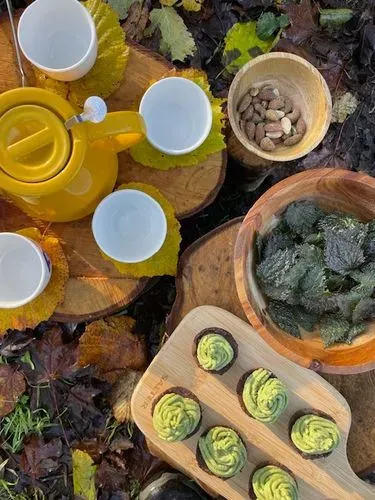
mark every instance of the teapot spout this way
{"type": "Point", "coordinates": [120, 130]}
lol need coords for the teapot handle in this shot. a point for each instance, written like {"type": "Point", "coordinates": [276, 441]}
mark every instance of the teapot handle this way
{"type": "Point", "coordinates": [122, 129]}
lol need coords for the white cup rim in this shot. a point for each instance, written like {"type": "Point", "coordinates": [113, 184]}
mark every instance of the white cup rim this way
{"type": "Point", "coordinates": [102, 207]}
{"type": "Point", "coordinates": [93, 40]}
{"type": "Point", "coordinates": [207, 130]}
{"type": "Point", "coordinates": [43, 276]}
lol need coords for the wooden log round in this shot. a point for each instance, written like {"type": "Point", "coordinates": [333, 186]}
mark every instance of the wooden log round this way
{"type": "Point", "coordinates": [206, 276]}
{"type": "Point", "coordinates": [95, 288]}
{"type": "Point", "coordinates": [332, 189]}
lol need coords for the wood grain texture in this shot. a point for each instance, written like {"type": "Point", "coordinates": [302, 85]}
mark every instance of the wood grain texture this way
{"type": "Point", "coordinates": [95, 288]}
{"type": "Point", "coordinates": [332, 189]}
{"type": "Point", "coordinates": [295, 78]}
{"type": "Point", "coordinates": [206, 276]}
{"type": "Point", "coordinates": [174, 365]}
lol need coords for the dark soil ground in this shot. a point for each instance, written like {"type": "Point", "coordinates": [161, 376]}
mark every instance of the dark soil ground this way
{"type": "Point", "coordinates": [77, 404]}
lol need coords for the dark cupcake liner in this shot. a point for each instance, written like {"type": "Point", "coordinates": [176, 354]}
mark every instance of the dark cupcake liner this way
{"type": "Point", "coordinates": [186, 394]}
{"type": "Point", "coordinates": [260, 466]}
{"type": "Point", "coordinates": [240, 386]}
{"type": "Point", "coordinates": [200, 459]}
{"type": "Point", "coordinates": [228, 336]}
{"type": "Point", "coordinates": [295, 417]}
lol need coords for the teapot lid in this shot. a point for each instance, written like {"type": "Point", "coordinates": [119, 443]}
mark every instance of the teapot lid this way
{"type": "Point", "coordinates": [34, 144]}
{"type": "Point", "coordinates": [38, 155]}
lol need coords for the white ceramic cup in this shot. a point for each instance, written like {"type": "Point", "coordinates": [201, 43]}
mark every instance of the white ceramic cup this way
{"type": "Point", "coordinates": [59, 37]}
{"type": "Point", "coordinates": [178, 115]}
{"type": "Point", "coordinates": [129, 226]}
{"type": "Point", "coordinates": [25, 270]}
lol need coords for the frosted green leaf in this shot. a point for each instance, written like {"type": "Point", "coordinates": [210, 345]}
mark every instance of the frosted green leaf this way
{"type": "Point", "coordinates": [365, 309]}
{"type": "Point", "coordinates": [333, 329]}
{"type": "Point", "coordinates": [302, 217]}
{"type": "Point", "coordinates": [370, 240]}
{"type": "Point", "coordinates": [275, 269]}
{"type": "Point", "coordinates": [283, 316]}
{"type": "Point", "coordinates": [276, 241]}
{"type": "Point", "coordinates": [176, 39]}
{"type": "Point", "coordinates": [354, 331]}
{"type": "Point", "coordinates": [306, 319]}
{"type": "Point", "coordinates": [282, 292]}
{"type": "Point", "coordinates": [242, 44]}
{"type": "Point", "coordinates": [122, 6]}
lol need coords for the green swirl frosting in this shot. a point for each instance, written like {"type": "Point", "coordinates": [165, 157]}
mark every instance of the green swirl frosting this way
{"type": "Point", "coordinates": [265, 397]}
{"type": "Point", "coordinates": [273, 483]}
{"type": "Point", "coordinates": [175, 417]}
{"type": "Point", "coordinates": [214, 352]}
{"type": "Point", "coordinates": [223, 451]}
{"type": "Point", "coordinates": [315, 435]}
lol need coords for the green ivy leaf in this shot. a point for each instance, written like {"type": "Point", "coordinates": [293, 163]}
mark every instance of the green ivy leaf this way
{"type": "Point", "coordinates": [283, 21]}
{"type": "Point", "coordinates": [268, 24]}
{"type": "Point", "coordinates": [242, 44]}
{"type": "Point", "coordinates": [176, 39]}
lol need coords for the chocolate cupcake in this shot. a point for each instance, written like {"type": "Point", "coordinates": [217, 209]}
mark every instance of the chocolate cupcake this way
{"type": "Point", "coordinates": [273, 482]}
{"type": "Point", "coordinates": [314, 434]}
{"type": "Point", "coordinates": [176, 414]}
{"type": "Point", "coordinates": [221, 452]}
{"type": "Point", "coordinates": [215, 350]}
{"type": "Point", "coordinates": [262, 395]}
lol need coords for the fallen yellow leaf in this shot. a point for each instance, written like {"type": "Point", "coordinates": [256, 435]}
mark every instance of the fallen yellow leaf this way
{"type": "Point", "coordinates": [164, 262]}
{"type": "Point", "coordinates": [146, 154]}
{"type": "Point", "coordinates": [108, 70]}
{"type": "Point", "coordinates": [42, 308]}
{"type": "Point", "coordinates": [83, 475]}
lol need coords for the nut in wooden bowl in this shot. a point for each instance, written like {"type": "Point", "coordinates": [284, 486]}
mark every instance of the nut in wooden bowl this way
{"type": "Point", "coordinates": [299, 85]}
{"type": "Point", "coordinates": [332, 190]}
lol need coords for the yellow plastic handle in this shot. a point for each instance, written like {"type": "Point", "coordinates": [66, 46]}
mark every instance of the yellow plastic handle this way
{"type": "Point", "coordinates": [122, 128]}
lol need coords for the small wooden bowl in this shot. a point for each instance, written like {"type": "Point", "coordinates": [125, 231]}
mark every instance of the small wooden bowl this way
{"type": "Point", "coordinates": [332, 189]}
{"type": "Point", "coordinates": [295, 78]}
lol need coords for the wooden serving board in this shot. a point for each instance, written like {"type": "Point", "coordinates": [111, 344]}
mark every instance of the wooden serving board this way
{"type": "Point", "coordinates": [175, 365]}
{"type": "Point", "coordinates": [206, 276]}
{"type": "Point", "coordinates": [95, 288]}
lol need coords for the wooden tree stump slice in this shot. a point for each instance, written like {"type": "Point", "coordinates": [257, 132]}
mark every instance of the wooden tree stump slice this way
{"type": "Point", "coordinates": [206, 277]}
{"type": "Point", "coordinates": [95, 287]}
{"type": "Point", "coordinates": [244, 157]}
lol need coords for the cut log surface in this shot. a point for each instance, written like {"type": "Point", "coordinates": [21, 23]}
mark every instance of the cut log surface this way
{"type": "Point", "coordinates": [95, 288]}
{"type": "Point", "coordinates": [206, 277]}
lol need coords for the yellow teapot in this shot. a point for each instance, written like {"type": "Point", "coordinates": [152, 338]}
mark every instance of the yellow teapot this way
{"type": "Point", "coordinates": [53, 173]}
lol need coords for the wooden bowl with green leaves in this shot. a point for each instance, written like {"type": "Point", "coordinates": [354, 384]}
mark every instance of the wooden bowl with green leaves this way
{"type": "Point", "coordinates": [331, 285]}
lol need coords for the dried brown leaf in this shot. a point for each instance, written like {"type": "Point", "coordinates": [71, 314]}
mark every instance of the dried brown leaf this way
{"type": "Point", "coordinates": [52, 358]}
{"type": "Point", "coordinates": [121, 395]}
{"type": "Point", "coordinates": [39, 458]}
{"type": "Point", "coordinates": [109, 345]}
{"type": "Point", "coordinates": [302, 21]}
{"type": "Point", "coordinates": [12, 386]}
